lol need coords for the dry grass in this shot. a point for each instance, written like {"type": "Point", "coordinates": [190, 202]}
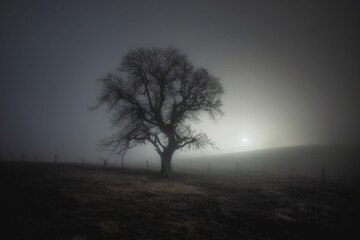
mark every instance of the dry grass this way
{"type": "Point", "coordinates": [44, 201]}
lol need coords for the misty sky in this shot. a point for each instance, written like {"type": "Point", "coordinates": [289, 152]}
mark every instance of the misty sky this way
{"type": "Point", "coordinates": [290, 69]}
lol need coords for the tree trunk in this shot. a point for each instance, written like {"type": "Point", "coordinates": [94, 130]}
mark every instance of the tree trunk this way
{"type": "Point", "coordinates": [166, 164]}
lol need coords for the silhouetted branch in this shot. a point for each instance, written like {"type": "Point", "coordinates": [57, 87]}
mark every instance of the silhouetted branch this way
{"type": "Point", "coordinates": [154, 97]}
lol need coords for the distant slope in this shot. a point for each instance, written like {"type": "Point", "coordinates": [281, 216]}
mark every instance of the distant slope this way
{"type": "Point", "coordinates": [338, 161]}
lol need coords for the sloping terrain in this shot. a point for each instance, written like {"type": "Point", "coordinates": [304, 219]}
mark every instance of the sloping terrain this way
{"type": "Point", "coordinates": [339, 162]}
{"type": "Point", "coordinates": [48, 201]}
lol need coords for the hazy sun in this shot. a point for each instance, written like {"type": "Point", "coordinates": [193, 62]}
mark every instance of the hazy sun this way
{"type": "Point", "coordinates": [243, 140]}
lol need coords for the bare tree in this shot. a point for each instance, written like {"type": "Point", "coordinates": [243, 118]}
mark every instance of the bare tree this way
{"type": "Point", "coordinates": [122, 160]}
{"type": "Point", "coordinates": [154, 97]}
{"type": "Point", "coordinates": [105, 161]}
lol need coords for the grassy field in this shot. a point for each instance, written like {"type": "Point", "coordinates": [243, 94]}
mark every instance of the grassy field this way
{"type": "Point", "coordinates": [47, 201]}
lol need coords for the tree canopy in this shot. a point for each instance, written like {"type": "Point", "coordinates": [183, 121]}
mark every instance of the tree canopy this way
{"type": "Point", "coordinates": [154, 97]}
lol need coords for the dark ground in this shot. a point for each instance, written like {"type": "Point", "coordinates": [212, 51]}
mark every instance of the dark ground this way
{"type": "Point", "coordinates": [47, 201]}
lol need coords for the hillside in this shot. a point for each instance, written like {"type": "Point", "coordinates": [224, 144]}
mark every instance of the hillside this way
{"type": "Point", "coordinates": [342, 162]}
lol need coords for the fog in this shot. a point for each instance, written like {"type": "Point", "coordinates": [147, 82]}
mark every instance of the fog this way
{"type": "Point", "coordinates": [289, 69]}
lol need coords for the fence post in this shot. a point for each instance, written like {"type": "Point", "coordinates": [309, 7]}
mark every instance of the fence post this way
{"type": "Point", "coordinates": [208, 167]}
{"type": "Point", "coordinates": [237, 167]}
{"type": "Point", "coordinates": [147, 165]}
{"type": "Point", "coordinates": [23, 157]}
{"type": "Point", "coordinates": [172, 167]}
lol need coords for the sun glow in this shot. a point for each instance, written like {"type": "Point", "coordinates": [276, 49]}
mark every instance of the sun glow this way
{"type": "Point", "coordinates": [243, 141]}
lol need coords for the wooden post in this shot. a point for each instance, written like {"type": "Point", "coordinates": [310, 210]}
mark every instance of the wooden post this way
{"type": "Point", "coordinates": [147, 165]}
{"type": "Point", "coordinates": [172, 167]}
{"type": "Point", "coordinates": [237, 167]}
{"type": "Point", "coordinates": [23, 157]}
{"type": "Point", "coordinates": [55, 158]}
{"type": "Point", "coordinates": [263, 171]}
{"type": "Point", "coordinates": [323, 175]}
{"type": "Point", "coordinates": [122, 161]}
{"type": "Point", "coordinates": [208, 167]}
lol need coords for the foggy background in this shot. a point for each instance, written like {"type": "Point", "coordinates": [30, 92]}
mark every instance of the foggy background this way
{"type": "Point", "coordinates": [290, 70]}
